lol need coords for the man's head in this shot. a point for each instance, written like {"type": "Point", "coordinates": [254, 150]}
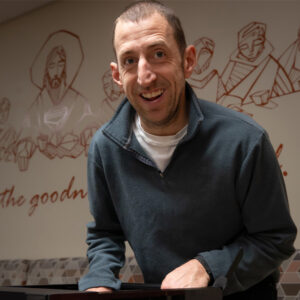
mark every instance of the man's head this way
{"type": "Point", "coordinates": [151, 67]}
{"type": "Point", "coordinates": [251, 40]}
{"type": "Point", "coordinates": [55, 73]}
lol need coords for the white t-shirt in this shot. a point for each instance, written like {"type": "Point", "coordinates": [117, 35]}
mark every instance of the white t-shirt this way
{"type": "Point", "coordinates": [159, 148]}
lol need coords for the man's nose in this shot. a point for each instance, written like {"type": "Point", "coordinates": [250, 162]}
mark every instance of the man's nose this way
{"type": "Point", "coordinates": [145, 73]}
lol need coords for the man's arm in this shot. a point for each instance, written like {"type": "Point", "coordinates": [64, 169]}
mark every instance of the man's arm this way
{"type": "Point", "coordinates": [269, 232]}
{"type": "Point", "coordinates": [105, 238]}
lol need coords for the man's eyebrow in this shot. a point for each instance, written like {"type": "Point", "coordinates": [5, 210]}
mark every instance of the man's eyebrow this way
{"type": "Point", "coordinates": [151, 46]}
{"type": "Point", "coordinates": [157, 45]}
{"type": "Point", "coordinates": [125, 53]}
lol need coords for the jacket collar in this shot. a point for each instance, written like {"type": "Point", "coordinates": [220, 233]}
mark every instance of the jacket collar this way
{"type": "Point", "coordinates": [119, 128]}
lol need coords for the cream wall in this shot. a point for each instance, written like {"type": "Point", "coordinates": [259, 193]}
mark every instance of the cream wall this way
{"type": "Point", "coordinates": [58, 229]}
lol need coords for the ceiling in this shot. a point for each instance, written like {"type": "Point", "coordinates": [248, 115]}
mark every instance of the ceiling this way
{"type": "Point", "coordinates": [10, 9]}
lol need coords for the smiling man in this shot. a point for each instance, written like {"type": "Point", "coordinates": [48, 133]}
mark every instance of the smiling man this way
{"type": "Point", "coordinates": [152, 72]}
{"type": "Point", "coordinates": [186, 182]}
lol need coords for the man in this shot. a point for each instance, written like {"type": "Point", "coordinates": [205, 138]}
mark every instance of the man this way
{"type": "Point", "coordinates": [187, 182]}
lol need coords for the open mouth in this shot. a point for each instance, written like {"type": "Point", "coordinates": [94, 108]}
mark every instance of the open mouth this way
{"type": "Point", "coordinates": [151, 96]}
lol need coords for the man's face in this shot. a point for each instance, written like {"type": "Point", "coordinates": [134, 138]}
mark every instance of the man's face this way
{"type": "Point", "coordinates": [151, 70]}
{"type": "Point", "coordinates": [251, 46]}
{"type": "Point", "coordinates": [55, 70]}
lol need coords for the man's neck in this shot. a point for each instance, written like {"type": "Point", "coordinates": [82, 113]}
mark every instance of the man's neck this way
{"type": "Point", "coordinates": [166, 129]}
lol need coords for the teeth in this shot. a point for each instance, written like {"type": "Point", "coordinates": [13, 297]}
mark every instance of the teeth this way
{"type": "Point", "coordinates": [153, 94]}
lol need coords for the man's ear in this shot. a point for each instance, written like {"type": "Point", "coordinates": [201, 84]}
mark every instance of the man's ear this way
{"type": "Point", "coordinates": [190, 60]}
{"type": "Point", "coordinates": [116, 74]}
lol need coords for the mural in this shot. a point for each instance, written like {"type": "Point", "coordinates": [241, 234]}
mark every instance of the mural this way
{"type": "Point", "coordinates": [290, 60]}
{"type": "Point", "coordinates": [114, 94]}
{"type": "Point", "coordinates": [252, 76]}
{"type": "Point", "coordinates": [4, 110]}
{"type": "Point", "coordinates": [60, 114]}
{"type": "Point", "coordinates": [60, 121]}
{"type": "Point", "coordinates": [204, 77]}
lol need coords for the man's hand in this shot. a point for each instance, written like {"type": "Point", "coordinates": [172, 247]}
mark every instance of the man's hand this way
{"type": "Point", "coordinates": [189, 275]}
{"type": "Point", "coordinates": [100, 289]}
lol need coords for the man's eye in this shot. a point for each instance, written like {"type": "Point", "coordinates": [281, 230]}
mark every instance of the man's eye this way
{"type": "Point", "coordinates": [159, 54]}
{"type": "Point", "coordinates": [129, 61]}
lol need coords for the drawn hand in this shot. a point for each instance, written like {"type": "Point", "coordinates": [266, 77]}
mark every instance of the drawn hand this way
{"type": "Point", "coordinates": [189, 275]}
{"type": "Point", "coordinates": [100, 289]}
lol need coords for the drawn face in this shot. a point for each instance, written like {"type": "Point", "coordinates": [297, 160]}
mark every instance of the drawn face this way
{"type": "Point", "coordinates": [151, 70]}
{"type": "Point", "coordinates": [204, 58]}
{"type": "Point", "coordinates": [55, 69]}
{"type": "Point", "coordinates": [252, 45]}
{"type": "Point", "coordinates": [111, 89]}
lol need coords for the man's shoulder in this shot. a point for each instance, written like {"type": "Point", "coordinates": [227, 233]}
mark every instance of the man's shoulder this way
{"type": "Point", "coordinates": [99, 137]}
{"type": "Point", "coordinates": [229, 117]}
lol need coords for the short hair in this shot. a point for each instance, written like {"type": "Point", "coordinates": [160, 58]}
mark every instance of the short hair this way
{"type": "Point", "coordinates": [143, 9]}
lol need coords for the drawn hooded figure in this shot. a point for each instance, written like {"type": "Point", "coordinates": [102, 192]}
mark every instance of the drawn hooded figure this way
{"type": "Point", "coordinates": [253, 75]}
{"type": "Point", "coordinates": [60, 114]}
{"type": "Point", "coordinates": [58, 109]}
{"type": "Point", "coordinates": [204, 78]}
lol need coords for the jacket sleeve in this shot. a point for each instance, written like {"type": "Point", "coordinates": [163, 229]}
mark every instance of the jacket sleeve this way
{"type": "Point", "coordinates": [269, 231]}
{"type": "Point", "coordinates": [105, 238]}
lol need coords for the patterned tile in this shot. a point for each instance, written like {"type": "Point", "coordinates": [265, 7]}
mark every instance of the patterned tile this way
{"type": "Point", "coordinates": [289, 284]}
{"type": "Point", "coordinates": [56, 271]}
{"type": "Point", "coordinates": [13, 272]}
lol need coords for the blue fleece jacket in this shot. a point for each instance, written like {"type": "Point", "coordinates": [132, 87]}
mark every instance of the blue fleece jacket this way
{"type": "Point", "coordinates": [222, 190]}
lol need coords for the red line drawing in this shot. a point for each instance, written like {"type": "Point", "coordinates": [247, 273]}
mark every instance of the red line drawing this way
{"type": "Point", "coordinates": [8, 141]}
{"type": "Point", "coordinates": [253, 75]}
{"type": "Point", "coordinates": [58, 108]}
{"type": "Point", "coordinates": [113, 92]}
{"type": "Point", "coordinates": [290, 60]}
{"type": "Point", "coordinates": [60, 120]}
{"type": "Point", "coordinates": [278, 152]}
{"type": "Point", "coordinates": [4, 110]}
{"type": "Point", "coordinates": [114, 95]}
{"type": "Point", "coordinates": [204, 78]}
{"type": "Point", "coordinates": [8, 135]}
